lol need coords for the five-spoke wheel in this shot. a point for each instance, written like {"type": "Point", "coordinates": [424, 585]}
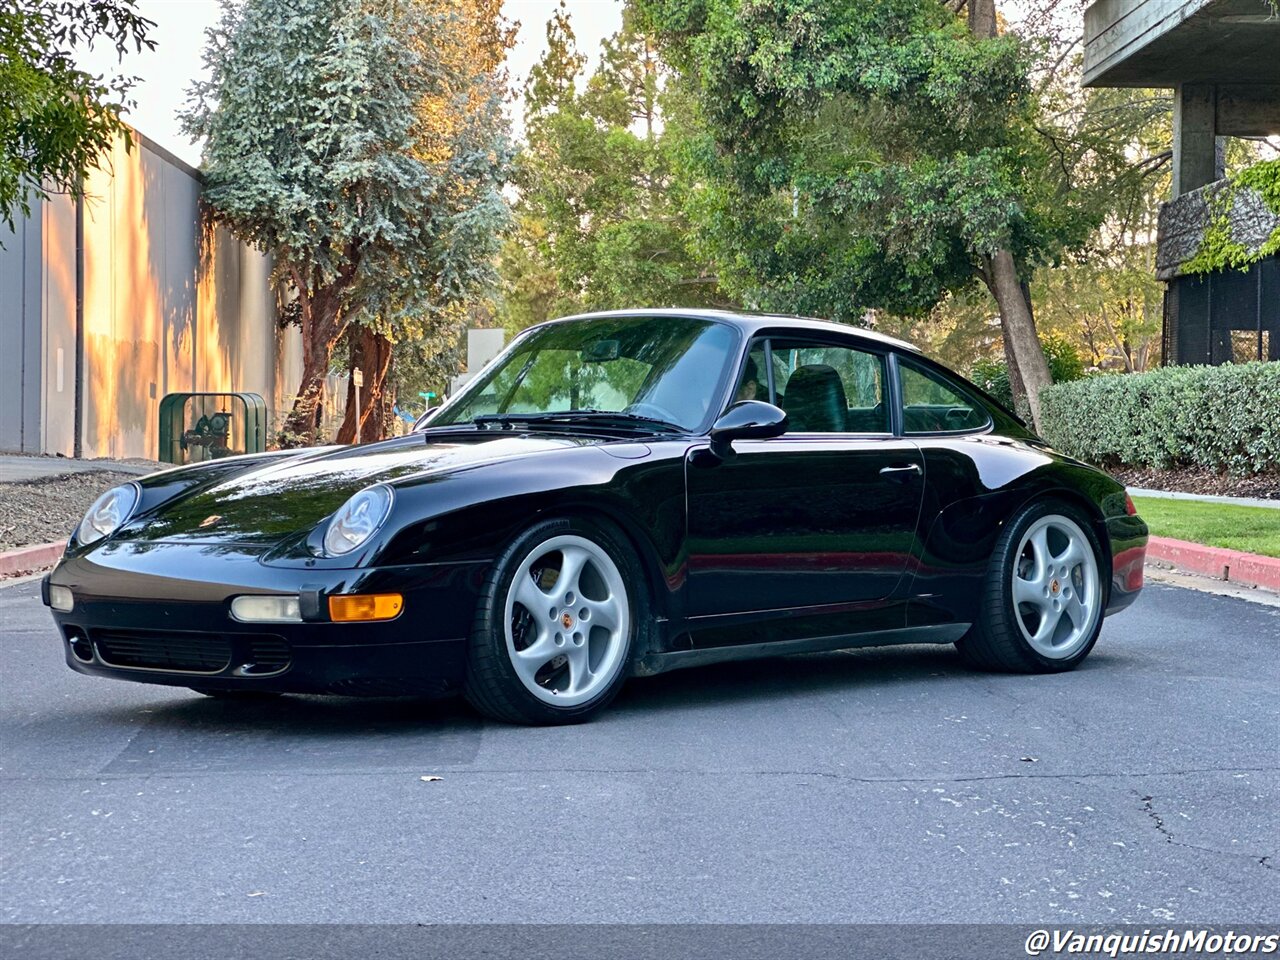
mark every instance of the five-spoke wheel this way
{"type": "Point", "coordinates": [556, 623]}
{"type": "Point", "coordinates": [567, 619]}
{"type": "Point", "coordinates": [1041, 608]}
{"type": "Point", "coordinates": [1055, 587]}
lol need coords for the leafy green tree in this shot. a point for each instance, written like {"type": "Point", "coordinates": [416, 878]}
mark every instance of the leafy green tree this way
{"type": "Point", "coordinates": [57, 121]}
{"type": "Point", "coordinates": [601, 211]}
{"type": "Point", "coordinates": [461, 131]}
{"type": "Point", "coordinates": [317, 152]}
{"type": "Point", "coordinates": [874, 154]}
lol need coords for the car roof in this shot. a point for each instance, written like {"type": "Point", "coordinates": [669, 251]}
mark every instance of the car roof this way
{"type": "Point", "coordinates": [750, 323]}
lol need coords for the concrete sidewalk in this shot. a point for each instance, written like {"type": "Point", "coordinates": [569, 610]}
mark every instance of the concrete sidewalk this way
{"type": "Point", "coordinates": [1204, 497]}
{"type": "Point", "coordinates": [15, 468]}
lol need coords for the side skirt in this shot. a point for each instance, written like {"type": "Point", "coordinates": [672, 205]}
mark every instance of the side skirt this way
{"type": "Point", "coordinates": [656, 663]}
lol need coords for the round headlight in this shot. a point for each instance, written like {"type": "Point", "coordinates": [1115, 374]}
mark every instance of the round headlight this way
{"type": "Point", "coordinates": [357, 520]}
{"type": "Point", "coordinates": [108, 513]}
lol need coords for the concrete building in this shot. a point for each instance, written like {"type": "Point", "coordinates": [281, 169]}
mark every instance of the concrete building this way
{"type": "Point", "coordinates": [1222, 60]}
{"type": "Point", "coordinates": [482, 346]}
{"type": "Point", "coordinates": [108, 304]}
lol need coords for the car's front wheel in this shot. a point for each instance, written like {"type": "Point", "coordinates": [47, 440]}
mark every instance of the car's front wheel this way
{"type": "Point", "coordinates": [556, 624]}
{"type": "Point", "coordinates": [1042, 605]}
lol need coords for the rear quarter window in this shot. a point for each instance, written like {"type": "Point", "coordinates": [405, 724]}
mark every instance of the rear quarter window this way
{"type": "Point", "coordinates": [933, 404]}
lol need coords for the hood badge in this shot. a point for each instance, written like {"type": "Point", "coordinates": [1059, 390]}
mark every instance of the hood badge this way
{"type": "Point", "coordinates": [210, 520]}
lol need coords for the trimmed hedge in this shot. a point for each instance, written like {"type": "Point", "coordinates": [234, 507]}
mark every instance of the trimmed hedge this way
{"type": "Point", "coordinates": [1224, 418]}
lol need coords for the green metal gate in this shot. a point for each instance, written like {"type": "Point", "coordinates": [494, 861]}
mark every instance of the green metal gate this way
{"type": "Point", "coordinates": [195, 427]}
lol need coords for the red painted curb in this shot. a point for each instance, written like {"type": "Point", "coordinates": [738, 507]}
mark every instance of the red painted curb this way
{"type": "Point", "coordinates": [1237, 566]}
{"type": "Point", "coordinates": [25, 559]}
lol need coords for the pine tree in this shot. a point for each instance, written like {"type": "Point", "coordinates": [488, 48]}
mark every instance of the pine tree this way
{"type": "Point", "coordinates": [601, 215]}
{"type": "Point", "coordinates": [320, 151]}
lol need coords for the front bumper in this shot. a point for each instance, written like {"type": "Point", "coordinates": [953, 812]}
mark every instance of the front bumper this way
{"type": "Point", "coordinates": [160, 613]}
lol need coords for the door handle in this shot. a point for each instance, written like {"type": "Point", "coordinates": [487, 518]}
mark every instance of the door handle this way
{"type": "Point", "coordinates": [900, 471]}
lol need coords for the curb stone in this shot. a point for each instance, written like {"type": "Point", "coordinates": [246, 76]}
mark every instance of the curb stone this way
{"type": "Point", "coordinates": [1236, 566]}
{"type": "Point", "coordinates": [35, 557]}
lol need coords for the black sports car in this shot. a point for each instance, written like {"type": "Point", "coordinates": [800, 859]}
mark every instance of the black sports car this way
{"type": "Point", "coordinates": [616, 494]}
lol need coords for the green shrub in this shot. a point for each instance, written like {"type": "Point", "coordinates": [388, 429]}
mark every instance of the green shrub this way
{"type": "Point", "coordinates": [993, 376]}
{"type": "Point", "coordinates": [1222, 418]}
{"type": "Point", "coordinates": [1064, 360]}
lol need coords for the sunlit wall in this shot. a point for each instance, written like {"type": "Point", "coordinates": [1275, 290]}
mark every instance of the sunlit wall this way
{"type": "Point", "coordinates": [167, 308]}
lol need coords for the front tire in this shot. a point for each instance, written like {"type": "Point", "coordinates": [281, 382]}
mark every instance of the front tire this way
{"type": "Point", "coordinates": [556, 623]}
{"type": "Point", "coordinates": [1043, 601]}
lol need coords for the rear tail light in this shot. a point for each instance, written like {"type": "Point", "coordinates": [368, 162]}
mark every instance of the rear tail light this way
{"type": "Point", "coordinates": [1129, 508]}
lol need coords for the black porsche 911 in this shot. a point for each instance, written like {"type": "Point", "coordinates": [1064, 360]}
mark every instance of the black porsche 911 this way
{"type": "Point", "coordinates": [615, 495]}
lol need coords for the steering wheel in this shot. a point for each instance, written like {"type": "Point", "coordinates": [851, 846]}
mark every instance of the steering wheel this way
{"type": "Point", "coordinates": [651, 410]}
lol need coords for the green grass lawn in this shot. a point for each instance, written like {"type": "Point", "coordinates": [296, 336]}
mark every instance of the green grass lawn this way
{"type": "Point", "coordinates": [1253, 529]}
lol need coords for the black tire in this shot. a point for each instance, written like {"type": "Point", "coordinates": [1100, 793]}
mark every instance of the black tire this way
{"type": "Point", "coordinates": [996, 641]}
{"type": "Point", "coordinates": [492, 685]}
{"type": "Point", "coordinates": [243, 695]}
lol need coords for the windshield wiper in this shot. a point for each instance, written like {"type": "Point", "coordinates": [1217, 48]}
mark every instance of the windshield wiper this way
{"type": "Point", "coordinates": [602, 417]}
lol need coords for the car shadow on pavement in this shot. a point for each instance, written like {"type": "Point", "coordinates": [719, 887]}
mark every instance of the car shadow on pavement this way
{"type": "Point", "coordinates": [294, 733]}
{"type": "Point", "coordinates": [853, 671]}
{"type": "Point", "coordinates": [374, 725]}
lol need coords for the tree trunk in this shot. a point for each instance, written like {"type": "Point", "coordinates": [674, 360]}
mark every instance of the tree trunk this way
{"type": "Point", "coordinates": [982, 17]}
{"type": "Point", "coordinates": [1017, 389]}
{"type": "Point", "coordinates": [1001, 276]}
{"type": "Point", "coordinates": [321, 330]}
{"type": "Point", "coordinates": [371, 352]}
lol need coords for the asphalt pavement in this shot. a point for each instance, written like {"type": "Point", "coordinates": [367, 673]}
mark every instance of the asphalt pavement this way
{"type": "Point", "coordinates": [884, 785]}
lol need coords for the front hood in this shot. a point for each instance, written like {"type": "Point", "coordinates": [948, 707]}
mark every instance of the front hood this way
{"type": "Point", "coordinates": [271, 502]}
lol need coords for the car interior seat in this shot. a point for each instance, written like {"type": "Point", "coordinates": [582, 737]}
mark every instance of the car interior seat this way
{"type": "Point", "coordinates": [815, 400]}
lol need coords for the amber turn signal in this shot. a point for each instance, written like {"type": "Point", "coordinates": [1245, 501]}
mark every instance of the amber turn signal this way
{"type": "Point", "coordinates": [365, 606]}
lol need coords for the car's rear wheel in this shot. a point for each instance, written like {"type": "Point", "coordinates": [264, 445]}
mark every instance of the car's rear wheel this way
{"type": "Point", "coordinates": [556, 624]}
{"type": "Point", "coordinates": [1044, 597]}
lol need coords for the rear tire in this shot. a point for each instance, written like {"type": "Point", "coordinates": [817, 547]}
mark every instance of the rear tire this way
{"type": "Point", "coordinates": [1043, 600]}
{"type": "Point", "coordinates": [556, 623]}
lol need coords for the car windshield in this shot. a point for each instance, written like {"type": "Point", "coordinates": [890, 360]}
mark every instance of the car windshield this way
{"type": "Point", "coordinates": [646, 369]}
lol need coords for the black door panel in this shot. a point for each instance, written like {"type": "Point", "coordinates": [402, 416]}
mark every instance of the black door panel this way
{"type": "Point", "coordinates": [801, 522]}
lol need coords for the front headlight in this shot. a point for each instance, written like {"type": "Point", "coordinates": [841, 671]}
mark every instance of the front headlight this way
{"type": "Point", "coordinates": [357, 520]}
{"type": "Point", "coordinates": [108, 513]}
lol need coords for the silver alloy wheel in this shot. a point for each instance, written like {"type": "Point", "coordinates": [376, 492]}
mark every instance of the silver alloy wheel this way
{"type": "Point", "coordinates": [1057, 596]}
{"type": "Point", "coordinates": [567, 621]}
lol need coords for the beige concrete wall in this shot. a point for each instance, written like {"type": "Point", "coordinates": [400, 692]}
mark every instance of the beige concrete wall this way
{"type": "Point", "coordinates": [166, 309]}
{"type": "Point", "coordinates": [57, 290]}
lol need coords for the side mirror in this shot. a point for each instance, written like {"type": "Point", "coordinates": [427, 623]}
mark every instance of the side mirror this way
{"type": "Point", "coordinates": [748, 420]}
